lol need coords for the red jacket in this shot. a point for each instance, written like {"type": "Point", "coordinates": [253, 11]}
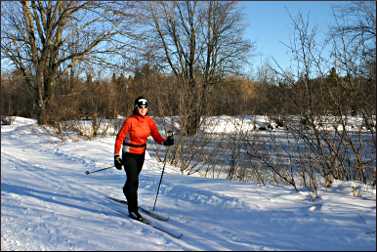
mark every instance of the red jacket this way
{"type": "Point", "coordinates": [135, 131]}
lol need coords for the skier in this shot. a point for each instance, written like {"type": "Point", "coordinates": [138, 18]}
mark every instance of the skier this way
{"type": "Point", "coordinates": [133, 134]}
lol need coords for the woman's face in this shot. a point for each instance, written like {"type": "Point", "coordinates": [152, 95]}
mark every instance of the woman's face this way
{"type": "Point", "coordinates": [143, 110]}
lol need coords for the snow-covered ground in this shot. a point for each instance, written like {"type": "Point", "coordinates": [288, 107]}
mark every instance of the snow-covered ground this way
{"type": "Point", "coordinates": [48, 203]}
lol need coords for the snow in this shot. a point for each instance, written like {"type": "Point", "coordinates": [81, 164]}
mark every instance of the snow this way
{"type": "Point", "coordinates": [48, 203]}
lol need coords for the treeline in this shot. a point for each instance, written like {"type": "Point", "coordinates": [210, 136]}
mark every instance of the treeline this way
{"type": "Point", "coordinates": [75, 98]}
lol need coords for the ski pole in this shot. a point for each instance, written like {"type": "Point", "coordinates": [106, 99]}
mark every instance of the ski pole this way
{"type": "Point", "coordinates": [88, 172]}
{"type": "Point", "coordinates": [162, 174]}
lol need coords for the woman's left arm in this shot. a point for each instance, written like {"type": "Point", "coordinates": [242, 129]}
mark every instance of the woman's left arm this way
{"type": "Point", "coordinates": [154, 132]}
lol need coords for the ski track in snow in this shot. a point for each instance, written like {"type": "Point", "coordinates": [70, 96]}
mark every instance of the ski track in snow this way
{"type": "Point", "coordinates": [48, 203]}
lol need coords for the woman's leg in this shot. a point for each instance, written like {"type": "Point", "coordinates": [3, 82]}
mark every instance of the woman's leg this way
{"type": "Point", "coordinates": [132, 181]}
{"type": "Point", "coordinates": [133, 165]}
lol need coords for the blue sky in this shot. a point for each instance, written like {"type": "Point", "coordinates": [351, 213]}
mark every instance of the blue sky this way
{"type": "Point", "coordinates": [269, 24]}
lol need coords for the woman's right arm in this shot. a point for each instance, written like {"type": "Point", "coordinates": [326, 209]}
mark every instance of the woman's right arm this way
{"type": "Point", "coordinates": [121, 135]}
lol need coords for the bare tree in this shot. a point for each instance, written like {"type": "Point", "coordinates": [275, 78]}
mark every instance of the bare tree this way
{"type": "Point", "coordinates": [199, 42]}
{"type": "Point", "coordinates": [43, 38]}
{"type": "Point", "coordinates": [354, 52]}
{"type": "Point", "coordinates": [327, 99]}
{"type": "Point", "coordinates": [356, 28]}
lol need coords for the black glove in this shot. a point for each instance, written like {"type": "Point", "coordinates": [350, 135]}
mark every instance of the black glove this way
{"type": "Point", "coordinates": [169, 140]}
{"type": "Point", "coordinates": [118, 162]}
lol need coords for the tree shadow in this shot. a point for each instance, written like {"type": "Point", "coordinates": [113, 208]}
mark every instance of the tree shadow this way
{"type": "Point", "coordinates": [54, 198]}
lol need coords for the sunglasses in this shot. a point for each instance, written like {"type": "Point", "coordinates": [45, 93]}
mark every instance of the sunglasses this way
{"type": "Point", "coordinates": [142, 106]}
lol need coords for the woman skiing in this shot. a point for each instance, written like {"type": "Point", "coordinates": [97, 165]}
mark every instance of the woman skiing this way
{"type": "Point", "coordinates": [133, 134]}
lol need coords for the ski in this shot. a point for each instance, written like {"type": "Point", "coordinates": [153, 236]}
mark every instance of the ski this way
{"type": "Point", "coordinates": [151, 223]}
{"type": "Point", "coordinates": [159, 227]}
{"type": "Point", "coordinates": [150, 213]}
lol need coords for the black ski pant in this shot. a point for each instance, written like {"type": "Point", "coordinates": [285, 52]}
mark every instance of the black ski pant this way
{"type": "Point", "coordinates": [132, 166]}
